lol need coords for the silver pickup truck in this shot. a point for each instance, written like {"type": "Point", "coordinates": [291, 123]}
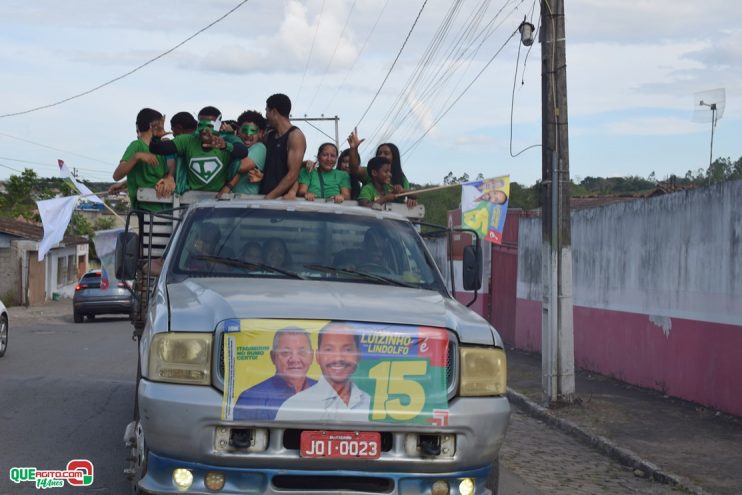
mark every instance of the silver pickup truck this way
{"type": "Point", "coordinates": [300, 347]}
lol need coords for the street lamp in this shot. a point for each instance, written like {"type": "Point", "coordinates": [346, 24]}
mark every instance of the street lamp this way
{"type": "Point", "coordinates": [526, 32]}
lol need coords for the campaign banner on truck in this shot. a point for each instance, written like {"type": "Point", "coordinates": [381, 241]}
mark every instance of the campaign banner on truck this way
{"type": "Point", "coordinates": [334, 371]}
{"type": "Point", "coordinates": [484, 205]}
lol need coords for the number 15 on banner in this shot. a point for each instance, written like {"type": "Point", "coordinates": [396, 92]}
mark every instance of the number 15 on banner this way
{"type": "Point", "coordinates": [391, 379]}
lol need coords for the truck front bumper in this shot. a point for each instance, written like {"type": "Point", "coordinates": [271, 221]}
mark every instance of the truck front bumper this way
{"type": "Point", "coordinates": [159, 480]}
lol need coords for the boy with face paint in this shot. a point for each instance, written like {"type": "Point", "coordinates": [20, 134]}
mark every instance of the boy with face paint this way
{"type": "Point", "coordinates": [205, 154]}
{"type": "Point", "coordinates": [140, 167]}
{"type": "Point", "coordinates": [250, 128]}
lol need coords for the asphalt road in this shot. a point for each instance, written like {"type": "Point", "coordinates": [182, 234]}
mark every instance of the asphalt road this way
{"type": "Point", "coordinates": [66, 392]}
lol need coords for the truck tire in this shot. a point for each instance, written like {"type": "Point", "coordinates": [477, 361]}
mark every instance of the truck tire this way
{"type": "Point", "coordinates": [78, 317]}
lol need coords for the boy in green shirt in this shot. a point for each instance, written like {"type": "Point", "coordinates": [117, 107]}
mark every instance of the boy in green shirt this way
{"type": "Point", "coordinates": [140, 167]}
{"type": "Point", "coordinates": [379, 190]}
{"type": "Point", "coordinates": [206, 155]}
{"type": "Point", "coordinates": [250, 129]}
{"type": "Point", "coordinates": [325, 181]}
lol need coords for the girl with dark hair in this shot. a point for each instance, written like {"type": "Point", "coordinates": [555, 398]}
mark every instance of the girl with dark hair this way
{"type": "Point", "coordinates": [325, 181]}
{"type": "Point", "coordinates": [344, 165]}
{"type": "Point", "coordinates": [388, 151]}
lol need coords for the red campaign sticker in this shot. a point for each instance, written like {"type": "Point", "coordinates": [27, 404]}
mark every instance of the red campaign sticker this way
{"type": "Point", "coordinates": [433, 344]}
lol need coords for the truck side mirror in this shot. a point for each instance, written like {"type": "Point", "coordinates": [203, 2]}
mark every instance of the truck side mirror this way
{"type": "Point", "coordinates": [127, 255]}
{"type": "Point", "coordinates": [472, 267]}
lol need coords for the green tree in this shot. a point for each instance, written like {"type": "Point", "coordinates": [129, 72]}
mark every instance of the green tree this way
{"type": "Point", "coordinates": [20, 193]}
{"type": "Point", "coordinates": [104, 222]}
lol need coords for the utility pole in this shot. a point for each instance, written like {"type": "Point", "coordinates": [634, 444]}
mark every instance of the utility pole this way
{"type": "Point", "coordinates": [309, 120]}
{"type": "Point", "coordinates": [557, 335]}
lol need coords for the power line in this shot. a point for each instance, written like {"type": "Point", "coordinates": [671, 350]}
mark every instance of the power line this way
{"type": "Point", "coordinates": [424, 61]}
{"type": "Point", "coordinates": [393, 63]}
{"type": "Point", "coordinates": [131, 71]}
{"type": "Point", "coordinates": [512, 106]}
{"type": "Point", "coordinates": [55, 149]}
{"type": "Point", "coordinates": [311, 49]}
{"type": "Point", "coordinates": [412, 147]}
{"type": "Point", "coordinates": [360, 52]}
{"type": "Point", "coordinates": [466, 45]}
{"type": "Point", "coordinates": [334, 52]}
{"type": "Point", "coordinates": [11, 168]}
{"type": "Point", "coordinates": [95, 171]}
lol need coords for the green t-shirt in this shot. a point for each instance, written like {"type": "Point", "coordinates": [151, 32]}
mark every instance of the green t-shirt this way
{"type": "Point", "coordinates": [325, 184]}
{"type": "Point", "coordinates": [370, 193]}
{"type": "Point", "coordinates": [366, 179]}
{"type": "Point", "coordinates": [143, 175]}
{"type": "Point", "coordinates": [206, 169]}
{"type": "Point", "coordinates": [256, 153]}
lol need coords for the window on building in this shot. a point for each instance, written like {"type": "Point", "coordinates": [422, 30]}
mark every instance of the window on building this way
{"type": "Point", "coordinates": [61, 271]}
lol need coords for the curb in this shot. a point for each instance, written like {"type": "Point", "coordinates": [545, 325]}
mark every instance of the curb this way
{"type": "Point", "coordinates": [602, 444]}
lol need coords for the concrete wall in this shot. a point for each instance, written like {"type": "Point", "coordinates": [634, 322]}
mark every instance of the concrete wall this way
{"type": "Point", "coordinates": [9, 271]}
{"type": "Point", "coordinates": [657, 292]}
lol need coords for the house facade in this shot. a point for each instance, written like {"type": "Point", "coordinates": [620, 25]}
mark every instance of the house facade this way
{"type": "Point", "coordinates": [24, 279]}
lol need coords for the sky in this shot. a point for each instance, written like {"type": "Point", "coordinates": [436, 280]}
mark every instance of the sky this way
{"type": "Point", "coordinates": [636, 70]}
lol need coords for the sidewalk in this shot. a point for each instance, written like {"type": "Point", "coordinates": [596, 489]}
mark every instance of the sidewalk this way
{"type": "Point", "coordinates": [51, 312]}
{"type": "Point", "coordinates": [674, 441]}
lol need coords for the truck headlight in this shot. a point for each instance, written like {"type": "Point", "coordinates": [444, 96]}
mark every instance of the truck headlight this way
{"type": "Point", "coordinates": [483, 371]}
{"type": "Point", "coordinates": [181, 358]}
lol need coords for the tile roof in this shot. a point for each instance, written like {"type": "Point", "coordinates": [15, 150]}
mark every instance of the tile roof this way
{"type": "Point", "coordinates": [33, 231]}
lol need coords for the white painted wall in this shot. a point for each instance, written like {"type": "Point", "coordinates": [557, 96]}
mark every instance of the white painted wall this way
{"type": "Point", "coordinates": [677, 255]}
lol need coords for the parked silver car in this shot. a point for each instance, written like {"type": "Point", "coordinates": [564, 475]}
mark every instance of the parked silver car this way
{"type": "Point", "coordinates": [3, 329]}
{"type": "Point", "coordinates": [96, 294]}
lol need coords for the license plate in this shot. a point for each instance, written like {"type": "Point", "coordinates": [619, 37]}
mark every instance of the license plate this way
{"type": "Point", "coordinates": [341, 444]}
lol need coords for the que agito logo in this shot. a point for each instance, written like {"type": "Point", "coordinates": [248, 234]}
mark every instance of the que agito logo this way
{"type": "Point", "coordinates": [79, 472]}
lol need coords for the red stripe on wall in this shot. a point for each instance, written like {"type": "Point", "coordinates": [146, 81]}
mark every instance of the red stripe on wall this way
{"type": "Point", "coordinates": [694, 360]}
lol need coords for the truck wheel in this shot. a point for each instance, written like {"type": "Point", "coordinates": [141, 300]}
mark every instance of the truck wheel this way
{"type": "Point", "coordinates": [493, 480]}
{"type": "Point", "coordinates": [3, 334]}
{"type": "Point", "coordinates": [78, 317]}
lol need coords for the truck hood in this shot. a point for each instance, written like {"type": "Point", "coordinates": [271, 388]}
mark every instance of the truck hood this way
{"type": "Point", "coordinates": [199, 304]}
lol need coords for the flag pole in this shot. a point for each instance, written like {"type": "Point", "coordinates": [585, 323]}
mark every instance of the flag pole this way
{"type": "Point", "coordinates": [427, 189]}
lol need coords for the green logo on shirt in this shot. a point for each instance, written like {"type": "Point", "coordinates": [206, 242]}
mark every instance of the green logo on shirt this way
{"type": "Point", "coordinates": [205, 168]}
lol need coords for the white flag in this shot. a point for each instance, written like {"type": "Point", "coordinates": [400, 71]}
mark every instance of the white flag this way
{"type": "Point", "coordinates": [64, 173]}
{"type": "Point", "coordinates": [55, 216]}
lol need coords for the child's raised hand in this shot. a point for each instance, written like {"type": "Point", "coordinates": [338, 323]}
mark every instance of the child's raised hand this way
{"type": "Point", "coordinates": [353, 140]}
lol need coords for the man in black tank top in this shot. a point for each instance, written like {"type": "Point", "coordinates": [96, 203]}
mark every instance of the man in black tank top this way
{"type": "Point", "coordinates": [285, 145]}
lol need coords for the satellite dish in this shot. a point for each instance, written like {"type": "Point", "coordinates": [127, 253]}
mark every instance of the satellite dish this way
{"type": "Point", "coordinates": [708, 106]}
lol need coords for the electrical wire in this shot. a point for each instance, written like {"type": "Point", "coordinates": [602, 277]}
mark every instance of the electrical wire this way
{"type": "Point", "coordinates": [466, 46]}
{"type": "Point", "coordinates": [55, 149]}
{"type": "Point", "coordinates": [148, 62]}
{"type": "Point", "coordinates": [512, 106]}
{"type": "Point", "coordinates": [393, 63]}
{"type": "Point", "coordinates": [334, 52]}
{"type": "Point", "coordinates": [414, 145]}
{"type": "Point", "coordinates": [387, 121]}
{"type": "Point", "coordinates": [438, 85]}
{"type": "Point", "coordinates": [311, 49]}
{"type": "Point", "coordinates": [11, 168]}
{"type": "Point", "coordinates": [48, 165]}
{"type": "Point", "coordinates": [321, 131]}
{"type": "Point", "coordinates": [360, 52]}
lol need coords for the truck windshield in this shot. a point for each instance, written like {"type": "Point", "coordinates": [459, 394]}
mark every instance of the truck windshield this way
{"type": "Point", "coordinates": [333, 247]}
